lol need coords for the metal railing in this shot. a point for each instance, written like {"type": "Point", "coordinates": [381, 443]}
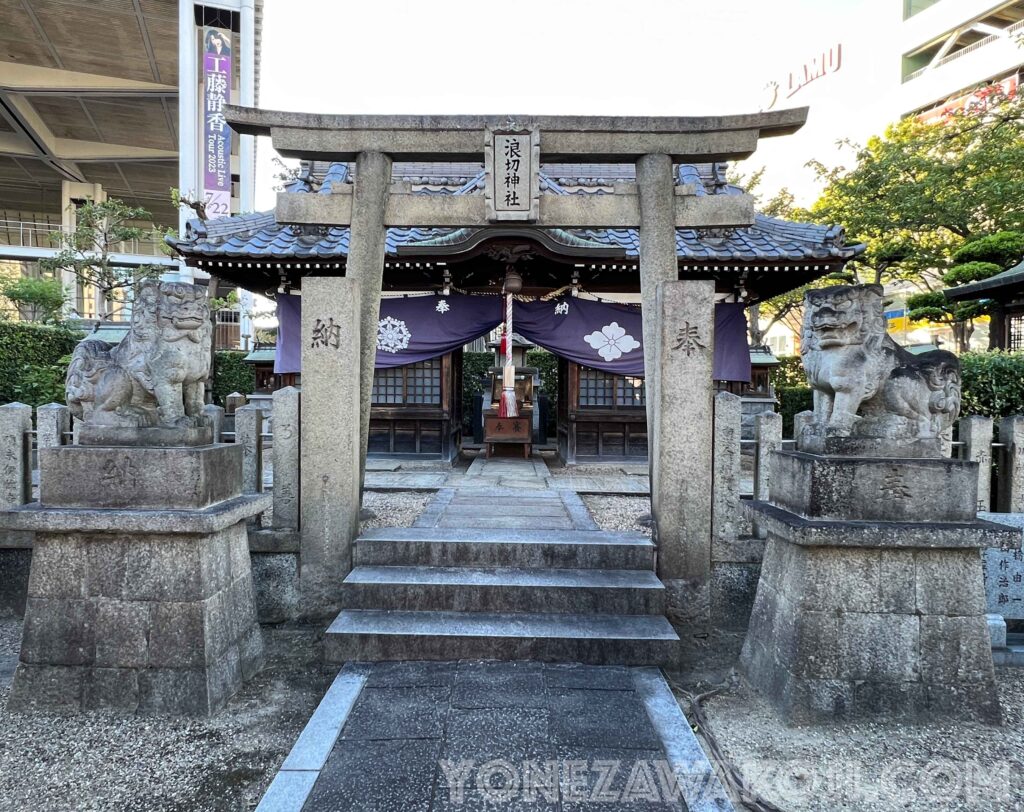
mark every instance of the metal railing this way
{"type": "Point", "coordinates": [967, 49]}
{"type": "Point", "coordinates": [29, 234]}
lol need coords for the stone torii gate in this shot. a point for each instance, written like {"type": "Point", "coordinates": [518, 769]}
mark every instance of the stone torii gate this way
{"type": "Point", "coordinates": [341, 313]}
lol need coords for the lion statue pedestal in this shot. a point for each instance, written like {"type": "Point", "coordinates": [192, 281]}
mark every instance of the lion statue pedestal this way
{"type": "Point", "coordinates": [871, 599]}
{"type": "Point", "coordinates": [141, 593]}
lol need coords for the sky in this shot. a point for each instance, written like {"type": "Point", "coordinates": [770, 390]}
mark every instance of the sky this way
{"type": "Point", "coordinates": [589, 57]}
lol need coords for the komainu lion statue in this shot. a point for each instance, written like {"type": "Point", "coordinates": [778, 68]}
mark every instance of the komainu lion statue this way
{"type": "Point", "coordinates": [155, 376]}
{"type": "Point", "coordinates": [864, 383]}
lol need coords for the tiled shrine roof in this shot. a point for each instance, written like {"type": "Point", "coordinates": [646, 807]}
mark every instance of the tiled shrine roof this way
{"type": "Point", "coordinates": [260, 237]}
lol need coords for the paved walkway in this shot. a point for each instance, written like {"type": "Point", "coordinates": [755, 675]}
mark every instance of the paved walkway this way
{"type": "Point", "coordinates": [517, 474]}
{"type": "Point", "coordinates": [427, 737]}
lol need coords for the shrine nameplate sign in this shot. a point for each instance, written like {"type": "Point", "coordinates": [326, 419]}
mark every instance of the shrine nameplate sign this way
{"type": "Point", "coordinates": [512, 167]}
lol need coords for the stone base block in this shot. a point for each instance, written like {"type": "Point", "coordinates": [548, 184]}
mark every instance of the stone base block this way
{"type": "Point", "coordinates": [874, 488]}
{"type": "Point", "coordinates": [145, 436]}
{"type": "Point", "coordinates": [80, 476]}
{"type": "Point", "coordinates": [14, 568]}
{"type": "Point", "coordinates": [812, 441]}
{"type": "Point", "coordinates": [146, 622]}
{"type": "Point", "coordinates": [844, 632]}
{"type": "Point", "coordinates": [688, 602]}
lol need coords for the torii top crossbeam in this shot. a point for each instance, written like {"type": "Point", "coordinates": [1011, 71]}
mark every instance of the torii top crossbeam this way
{"type": "Point", "coordinates": [611, 139]}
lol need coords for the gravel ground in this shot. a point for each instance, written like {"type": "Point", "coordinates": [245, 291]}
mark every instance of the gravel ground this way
{"type": "Point", "coordinates": [10, 637]}
{"type": "Point", "coordinates": [97, 761]}
{"type": "Point", "coordinates": [618, 512]}
{"type": "Point", "coordinates": [864, 767]}
{"type": "Point", "coordinates": [393, 509]}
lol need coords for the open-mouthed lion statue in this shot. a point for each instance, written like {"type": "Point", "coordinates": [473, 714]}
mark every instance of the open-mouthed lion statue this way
{"type": "Point", "coordinates": [865, 384]}
{"type": "Point", "coordinates": [155, 376]}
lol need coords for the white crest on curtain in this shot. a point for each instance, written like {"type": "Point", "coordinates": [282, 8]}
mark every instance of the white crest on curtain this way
{"type": "Point", "coordinates": [392, 335]}
{"type": "Point", "coordinates": [612, 342]}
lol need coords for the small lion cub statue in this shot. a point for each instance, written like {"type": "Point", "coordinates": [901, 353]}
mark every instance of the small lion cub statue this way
{"type": "Point", "coordinates": [155, 376]}
{"type": "Point", "coordinates": [864, 383]}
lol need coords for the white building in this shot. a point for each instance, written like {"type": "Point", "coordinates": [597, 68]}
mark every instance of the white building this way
{"type": "Point", "coordinates": [949, 48]}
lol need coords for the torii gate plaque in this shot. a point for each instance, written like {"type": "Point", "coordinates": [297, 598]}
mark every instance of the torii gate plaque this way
{"type": "Point", "coordinates": [678, 379]}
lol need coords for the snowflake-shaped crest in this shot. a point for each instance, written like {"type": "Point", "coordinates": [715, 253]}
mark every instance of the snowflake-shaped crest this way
{"type": "Point", "coordinates": [612, 342]}
{"type": "Point", "coordinates": [442, 307]}
{"type": "Point", "coordinates": [392, 335]}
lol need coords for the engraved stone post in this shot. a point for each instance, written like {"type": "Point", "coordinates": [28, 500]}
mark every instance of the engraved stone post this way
{"type": "Point", "coordinates": [1011, 468]}
{"type": "Point", "coordinates": [215, 414]}
{"type": "Point", "coordinates": [725, 518]}
{"type": "Point", "coordinates": [248, 434]}
{"type": "Point", "coordinates": [330, 446]}
{"type": "Point", "coordinates": [365, 265]}
{"type": "Point", "coordinates": [286, 458]}
{"type": "Point", "coordinates": [681, 493]}
{"type": "Point", "coordinates": [976, 436]}
{"type": "Point", "coordinates": [15, 455]}
{"type": "Point", "coordinates": [53, 421]}
{"type": "Point", "coordinates": [768, 433]}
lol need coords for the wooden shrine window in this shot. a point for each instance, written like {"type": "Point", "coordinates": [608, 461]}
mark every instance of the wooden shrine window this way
{"type": "Point", "coordinates": [605, 390]}
{"type": "Point", "coordinates": [413, 384]}
{"type": "Point", "coordinates": [1015, 332]}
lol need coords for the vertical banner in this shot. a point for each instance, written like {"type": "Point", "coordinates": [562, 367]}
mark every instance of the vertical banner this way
{"type": "Point", "coordinates": [217, 73]}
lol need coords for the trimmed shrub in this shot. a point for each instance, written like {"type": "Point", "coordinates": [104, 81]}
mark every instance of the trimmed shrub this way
{"type": "Point", "coordinates": [792, 400]}
{"type": "Point", "coordinates": [993, 383]}
{"type": "Point", "coordinates": [33, 362]}
{"type": "Point", "coordinates": [230, 374]}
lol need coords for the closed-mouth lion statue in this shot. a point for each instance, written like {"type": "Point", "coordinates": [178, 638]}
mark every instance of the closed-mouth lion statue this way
{"type": "Point", "coordinates": [864, 383]}
{"type": "Point", "coordinates": [155, 376]}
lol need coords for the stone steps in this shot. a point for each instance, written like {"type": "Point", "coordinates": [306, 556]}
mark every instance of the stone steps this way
{"type": "Point", "coordinates": [504, 589]}
{"type": "Point", "coordinates": [464, 547]}
{"type": "Point", "coordinates": [498, 576]}
{"type": "Point", "coordinates": [596, 639]}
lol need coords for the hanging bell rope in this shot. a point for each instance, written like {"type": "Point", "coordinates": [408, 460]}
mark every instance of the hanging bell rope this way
{"type": "Point", "coordinates": [508, 407]}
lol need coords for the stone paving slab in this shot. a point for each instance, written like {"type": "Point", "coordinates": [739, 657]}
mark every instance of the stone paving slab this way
{"type": "Point", "coordinates": [581, 738]}
{"type": "Point", "coordinates": [605, 485]}
{"type": "Point", "coordinates": [401, 481]}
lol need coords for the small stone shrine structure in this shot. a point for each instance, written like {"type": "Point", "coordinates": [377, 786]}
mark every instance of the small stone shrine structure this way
{"type": "Point", "coordinates": [140, 595]}
{"type": "Point", "coordinates": [871, 599]}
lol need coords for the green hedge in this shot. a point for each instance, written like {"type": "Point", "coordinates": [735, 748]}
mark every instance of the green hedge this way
{"type": "Point", "coordinates": [547, 363]}
{"type": "Point", "coordinates": [476, 367]}
{"type": "Point", "coordinates": [34, 361]}
{"type": "Point", "coordinates": [230, 375]}
{"type": "Point", "coordinates": [792, 400]}
{"type": "Point", "coordinates": [993, 383]}
{"type": "Point", "coordinates": [789, 372]}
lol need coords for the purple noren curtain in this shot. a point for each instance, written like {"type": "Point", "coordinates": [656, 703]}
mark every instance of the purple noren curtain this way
{"type": "Point", "coordinates": [609, 336]}
{"type": "Point", "coordinates": [288, 353]}
{"type": "Point", "coordinates": [602, 335]}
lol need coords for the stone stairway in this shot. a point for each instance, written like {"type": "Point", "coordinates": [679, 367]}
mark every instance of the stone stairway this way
{"type": "Point", "coordinates": [541, 582]}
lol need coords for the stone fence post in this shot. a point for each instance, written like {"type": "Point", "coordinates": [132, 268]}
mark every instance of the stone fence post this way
{"type": "Point", "coordinates": [53, 422]}
{"type": "Point", "coordinates": [286, 457]}
{"type": "Point", "coordinates": [801, 419]}
{"type": "Point", "coordinates": [1011, 465]}
{"type": "Point", "coordinates": [248, 434]}
{"type": "Point", "coordinates": [725, 505]}
{"type": "Point", "coordinates": [15, 455]}
{"type": "Point", "coordinates": [976, 436]}
{"type": "Point", "coordinates": [768, 433]}
{"type": "Point", "coordinates": [216, 417]}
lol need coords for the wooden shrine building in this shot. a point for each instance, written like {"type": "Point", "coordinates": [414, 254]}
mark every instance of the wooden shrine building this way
{"type": "Point", "coordinates": [417, 408]}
